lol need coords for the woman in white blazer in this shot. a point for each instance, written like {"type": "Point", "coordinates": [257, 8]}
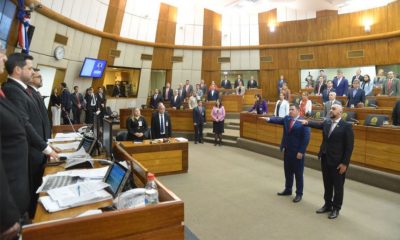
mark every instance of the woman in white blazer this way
{"type": "Point", "coordinates": [281, 107]}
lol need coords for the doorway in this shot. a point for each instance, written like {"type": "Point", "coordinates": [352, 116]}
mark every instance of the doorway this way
{"type": "Point", "coordinates": [52, 78]}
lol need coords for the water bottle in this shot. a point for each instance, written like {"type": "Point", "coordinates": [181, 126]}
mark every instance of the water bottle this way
{"type": "Point", "coordinates": [151, 193]}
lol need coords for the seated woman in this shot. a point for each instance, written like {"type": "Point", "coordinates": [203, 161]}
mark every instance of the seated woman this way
{"type": "Point", "coordinates": [281, 107]}
{"type": "Point", "coordinates": [305, 105]}
{"type": "Point", "coordinates": [136, 125]}
{"type": "Point", "coordinates": [260, 106]}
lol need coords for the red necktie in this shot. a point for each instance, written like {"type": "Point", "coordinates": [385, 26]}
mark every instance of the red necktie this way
{"type": "Point", "coordinates": [2, 95]}
{"type": "Point", "coordinates": [291, 124]}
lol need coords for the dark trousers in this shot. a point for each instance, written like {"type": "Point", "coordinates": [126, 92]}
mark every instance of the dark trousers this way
{"type": "Point", "coordinates": [293, 166]}
{"type": "Point", "coordinates": [77, 115]}
{"type": "Point", "coordinates": [333, 185]}
{"type": "Point", "coordinates": [198, 132]}
{"type": "Point", "coordinates": [89, 118]}
{"type": "Point", "coordinates": [37, 161]}
{"type": "Point", "coordinates": [65, 116]}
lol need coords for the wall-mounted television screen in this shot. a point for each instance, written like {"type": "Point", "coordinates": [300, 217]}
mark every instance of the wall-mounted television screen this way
{"type": "Point", "coordinates": [93, 68]}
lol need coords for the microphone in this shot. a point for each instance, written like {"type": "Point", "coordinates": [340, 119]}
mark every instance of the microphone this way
{"type": "Point", "coordinates": [372, 105]}
{"type": "Point", "coordinates": [355, 120]}
{"type": "Point", "coordinates": [70, 123]}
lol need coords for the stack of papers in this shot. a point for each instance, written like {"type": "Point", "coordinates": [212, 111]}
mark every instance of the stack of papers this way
{"type": "Point", "coordinates": [75, 195]}
{"type": "Point", "coordinates": [181, 139]}
{"type": "Point", "coordinates": [65, 137]}
{"type": "Point", "coordinates": [71, 146]}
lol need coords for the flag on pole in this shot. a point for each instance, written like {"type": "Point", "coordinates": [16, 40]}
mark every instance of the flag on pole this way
{"type": "Point", "coordinates": [23, 26]}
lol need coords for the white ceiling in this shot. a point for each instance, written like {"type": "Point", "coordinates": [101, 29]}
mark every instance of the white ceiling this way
{"type": "Point", "coordinates": [255, 6]}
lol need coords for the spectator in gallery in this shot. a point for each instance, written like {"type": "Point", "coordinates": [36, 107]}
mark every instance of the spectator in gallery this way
{"type": "Point", "coordinates": [213, 94]}
{"type": "Point", "coordinates": [252, 83]}
{"type": "Point", "coordinates": [199, 92]}
{"type": "Point", "coordinates": [237, 81]}
{"type": "Point", "coordinates": [320, 86]}
{"type": "Point", "coordinates": [281, 107]}
{"type": "Point", "coordinates": [203, 87]}
{"type": "Point", "coordinates": [281, 81]}
{"type": "Point", "coordinates": [260, 106]}
{"type": "Point", "coordinates": [167, 92]}
{"type": "Point", "coordinates": [187, 90]}
{"type": "Point", "coordinates": [367, 85]}
{"type": "Point", "coordinates": [226, 84]}
{"type": "Point", "coordinates": [155, 99]}
{"type": "Point", "coordinates": [240, 89]}
{"type": "Point", "coordinates": [380, 78]}
{"type": "Point", "coordinates": [358, 76]}
{"type": "Point", "coordinates": [286, 92]}
{"type": "Point", "coordinates": [391, 85]}
{"type": "Point", "coordinates": [340, 84]}
{"type": "Point", "coordinates": [78, 104]}
{"type": "Point", "coordinates": [329, 88]}
{"type": "Point", "coordinates": [176, 101]}
{"type": "Point", "coordinates": [356, 96]}
{"type": "Point", "coordinates": [193, 101]}
{"type": "Point", "coordinates": [305, 106]}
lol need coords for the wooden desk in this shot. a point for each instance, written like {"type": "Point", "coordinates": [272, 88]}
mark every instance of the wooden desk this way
{"type": "Point", "coordinates": [232, 103]}
{"type": "Point", "coordinates": [160, 158]}
{"type": "Point", "coordinates": [248, 98]}
{"type": "Point", "coordinates": [161, 221]}
{"type": "Point", "coordinates": [386, 101]}
{"type": "Point", "coordinates": [373, 147]}
{"type": "Point", "coordinates": [362, 113]}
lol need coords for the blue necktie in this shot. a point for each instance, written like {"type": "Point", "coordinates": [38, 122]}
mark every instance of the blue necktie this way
{"type": "Point", "coordinates": [162, 124]}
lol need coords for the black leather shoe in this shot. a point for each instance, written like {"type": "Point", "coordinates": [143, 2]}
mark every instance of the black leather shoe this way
{"type": "Point", "coordinates": [297, 199]}
{"type": "Point", "coordinates": [324, 209]}
{"type": "Point", "coordinates": [334, 214]}
{"type": "Point", "coordinates": [284, 193]}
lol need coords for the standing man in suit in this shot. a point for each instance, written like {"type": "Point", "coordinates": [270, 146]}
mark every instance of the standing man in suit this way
{"type": "Point", "coordinates": [226, 84]}
{"type": "Point", "coordinates": [294, 143]}
{"type": "Point", "coordinates": [281, 81]}
{"type": "Point", "coordinates": [167, 92]}
{"type": "Point", "coordinates": [155, 99]}
{"type": "Point", "coordinates": [251, 83]}
{"type": "Point", "coordinates": [101, 103]}
{"type": "Point", "coordinates": [91, 105]}
{"type": "Point", "coordinates": [176, 101]}
{"type": "Point", "coordinates": [329, 89]}
{"type": "Point", "coordinates": [358, 76]}
{"type": "Point", "coordinates": [341, 84]}
{"type": "Point", "coordinates": [335, 154]}
{"type": "Point", "coordinates": [78, 104]}
{"type": "Point", "coordinates": [396, 114]}
{"type": "Point", "coordinates": [187, 90]}
{"type": "Point", "coordinates": [66, 103]}
{"type": "Point", "coordinates": [213, 94]}
{"type": "Point", "coordinates": [328, 104]}
{"type": "Point", "coordinates": [355, 95]}
{"type": "Point", "coordinates": [203, 87]}
{"type": "Point", "coordinates": [320, 86]}
{"type": "Point", "coordinates": [199, 119]}
{"type": "Point", "coordinates": [390, 85]}
{"type": "Point", "coordinates": [117, 91]}
{"type": "Point", "coordinates": [239, 79]}
{"type": "Point", "coordinates": [161, 126]}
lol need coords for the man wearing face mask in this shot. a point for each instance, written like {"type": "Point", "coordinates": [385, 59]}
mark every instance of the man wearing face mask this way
{"type": "Point", "coordinates": [335, 154]}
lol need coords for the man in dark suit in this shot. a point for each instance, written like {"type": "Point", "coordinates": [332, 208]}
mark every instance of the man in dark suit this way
{"type": "Point", "coordinates": [167, 92]}
{"type": "Point", "coordinates": [176, 101]}
{"type": "Point", "coordinates": [281, 81]}
{"type": "Point", "coordinates": [66, 103]}
{"type": "Point", "coordinates": [328, 104]}
{"type": "Point", "coordinates": [101, 102]}
{"type": "Point", "coordinates": [155, 99]}
{"type": "Point", "coordinates": [320, 86]}
{"type": "Point", "coordinates": [187, 90]}
{"type": "Point", "coordinates": [199, 119]}
{"type": "Point", "coordinates": [78, 104]}
{"type": "Point", "coordinates": [356, 95]}
{"type": "Point", "coordinates": [340, 83]}
{"type": "Point", "coordinates": [329, 89]}
{"type": "Point", "coordinates": [358, 76]}
{"type": "Point", "coordinates": [226, 84]}
{"type": "Point", "coordinates": [91, 105]}
{"type": "Point", "coordinates": [117, 90]}
{"type": "Point", "coordinates": [396, 114]}
{"type": "Point", "coordinates": [252, 83]}
{"type": "Point", "coordinates": [213, 94]}
{"type": "Point", "coordinates": [20, 71]}
{"type": "Point", "coordinates": [161, 126]}
{"type": "Point", "coordinates": [294, 143]}
{"type": "Point", "coordinates": [335, 154]}
{"type": "Point", "coordinates": [236, 83]}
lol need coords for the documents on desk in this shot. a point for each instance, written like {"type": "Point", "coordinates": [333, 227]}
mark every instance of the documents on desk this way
{"type": "Point", "coordinates": [181, 139]}
{"type": "Point", "coordinates": [69, 146]}
{"type": "Point", "coordinates": [74, 195]}
{"type": "Point", "coordinates": [65, 137]}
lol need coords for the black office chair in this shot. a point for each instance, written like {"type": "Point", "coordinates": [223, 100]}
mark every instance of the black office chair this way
{"type": "Point", "coordinates": [375, 120]}
{"type": "Point", "coordinates": [147, 134]}
{"type": "Point", "coordinates": [122, 136]}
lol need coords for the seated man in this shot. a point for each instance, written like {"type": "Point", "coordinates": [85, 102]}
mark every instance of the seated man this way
{"type": "Point", "coordinates": [161, 123]}
{"type": "Point", "coordinates": [355, 95]}
{"type": "Point", "coordinates": [136, 125]}
{"type": "Point", "coordinates": [176, 100]}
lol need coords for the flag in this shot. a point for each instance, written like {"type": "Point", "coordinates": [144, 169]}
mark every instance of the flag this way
{"type": "Point", "coordinates": [23, 26]}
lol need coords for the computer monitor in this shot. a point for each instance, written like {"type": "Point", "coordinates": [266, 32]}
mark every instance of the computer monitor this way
{"type": "Point", "coordinates": [107, 136]}
{"type": "Point", "coordinates": [116, 177]}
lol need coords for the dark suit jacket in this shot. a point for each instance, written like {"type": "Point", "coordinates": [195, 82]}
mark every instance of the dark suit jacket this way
{"type": "Point", "coordinates": [236, 84]}
{"type": "Point", "coordinates": [117, 91]}
{"type": "Point", "coordinates": [338, 147]}
{"type": "Point", "coordinates": [361, 78]}
{"type": "Point", "coordinates": [17, 134]}
{"type": "Point", "coordinates": [43, 113]}
{"type": "Point", "coordinates": [66, 99]}
{"type": "Point", "coordinates": [226, 85]}
{"type": "Point", "coordinates": [136, 126]}
{"type": "Point", "coordinates": [213, 97]}
{"type": "Point", "coordinates": [295, 140]}
{"type": "Point", "coordinates": [251, 84]}
{"type": "Point", "coordinates": [188, 93]}
{"type": "Point", "coordinates": [359, 97]}
{"type": "Point", "coordinates": [199, 117]}
{"type": "Point", "coordinates": [176, 103]}
{"type": "Point", "coordinates": [170, 93]}
{"type": "Point", "coordinates": [342, 88]}
{"type": "Point", "coordinates": [155, 125]}
{"type": "Point", "coordinates": [154, 102]}
{"type": "Point", "coordinates": [101, 100]}
{"type": "Point", "coordinates": [74, 100]}
{"type": "Point", "coordinates": [396, 114]}
{"type": "Point", "coordinates": [323, 87]}
{"type": "Point", "coordinates": [325, 94]}
{"type": "Point", "coordinates": [88, 99]}
{"type": "Point", "coordinates": [280, 84]}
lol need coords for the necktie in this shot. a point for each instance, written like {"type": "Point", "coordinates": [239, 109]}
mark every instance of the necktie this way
{"type": "Point", "coordinates": [389, 86]}
{"type": "Point", "coordinates": [29, 91]}
{"type": "Point", "coordinates": [93, 103]}
{"type": "Point", "coordinates": [291, 124]}
{"type": "Point", "coordinates": [166, 93]}
{"type": "Point", "coordinates": [162, 124]}
{"type": "Point", "coordinates": [2, 95]}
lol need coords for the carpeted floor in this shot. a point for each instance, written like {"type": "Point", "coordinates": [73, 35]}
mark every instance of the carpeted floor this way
{"type": "Point", "coordinates": [230, 193]}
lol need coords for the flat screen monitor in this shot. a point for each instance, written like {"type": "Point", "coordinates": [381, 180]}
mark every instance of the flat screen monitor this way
{"type": "Point", "coordinates": [93, 68]}
{"type": "Point", "coordinates": [107, 136]}
{"type": "Point", "coordinates": [116, 177]}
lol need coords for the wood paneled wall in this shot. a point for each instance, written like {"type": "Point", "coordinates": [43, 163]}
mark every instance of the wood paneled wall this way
{"type": "Point", "coordinates": [211, 68]}
{"type": "Point", "coordinates": [115, 14]}
{"type": "Point", "coordinates": [166, 29]}
{"type": "Point", "coordinates": [328, 25]}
